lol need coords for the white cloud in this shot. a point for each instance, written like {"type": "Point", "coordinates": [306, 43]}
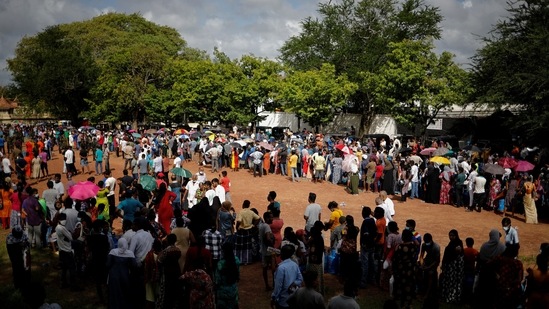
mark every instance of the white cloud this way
{"type": "Point", "coordinates": [237, 27]}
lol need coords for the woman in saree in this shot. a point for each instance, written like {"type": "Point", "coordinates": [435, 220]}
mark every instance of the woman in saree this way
{"type": "Point", "coordinates": [404, 269]}
{"type": "Point", "coordinates": [528, 199]}
{"type": "Point", "coordinates": [495, 190]}
{"type": "Point", "coordinates": [445, 186]}
{"type": "Point", "coordinates": [337, 163]}
{"type": "Point", "coordinates": [388, 177]}
{"type": "Point", "coordinates": [234, 159]}
{"type": "Point", "coordinates": [164, 206]}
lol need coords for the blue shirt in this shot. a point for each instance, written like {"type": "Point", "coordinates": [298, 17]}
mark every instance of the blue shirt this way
{"type": "Point", "coordinates": [99, 155]}
{"type": "Point", "coordinates": [286, 274]}
{"type": "Point", "coordinates": [130, 206]}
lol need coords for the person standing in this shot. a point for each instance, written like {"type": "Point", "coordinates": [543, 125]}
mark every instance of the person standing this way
{"type": "Point", "coordinates": [414, 171]}
{"type": "Point", "coordinates": [35, 216]}
{"type": "Point", "coordinates": [292, 161]}
{"type": "Point", "coordinates": [69, 161]}
{"type": "Point", "coordinates": [168, 265]}
{"type": "Point", "coordinates": [257, 160]}
{"type": "Point", "coordinates": [120, 263]}
{"type": "Point", "coordinates": [98, 161]}
{"type": "Point", "coordinates": [511, 234]}
{"type": "Point", "coordinates": [452, 269]}
{"type": "Point", "coordinates": [429, 260]}
{"type": "Point", "coordinates": [227, 275]}
{"type": "Point", "coordinates": [6, 166]}
{"type": "Point", "coordinates": [345, 300]}
{"type": "Point", "coordinates": [368, 233]}
{"type": "Point", "coordinates": [312, 212]}
{"type": "Point", "coordinates": [404, 269]}
{"type": "Point", "coordinates": [266, 239]}
{"type": "Point", "coordinates": [307, 296]}
{"type": "Point", "coordinates": [479, 195]}
{"type": "Point", "coordinates": [17, 245]}
{"type": "Point", "coordinates": [66, 255]}
{"type": "Point", "coordinates": [528, 199]}
{"type": "Point", "coordinates": [287, 278]}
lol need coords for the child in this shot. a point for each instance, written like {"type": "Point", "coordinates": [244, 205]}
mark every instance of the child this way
{"type": "Point", "coordinates": [337, 234]}
{"type": "Point", "coordinates": [470, 256]}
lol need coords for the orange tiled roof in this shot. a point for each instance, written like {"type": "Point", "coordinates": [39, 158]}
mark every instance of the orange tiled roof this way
{"type": "Point", "coordinates": [6, 104]}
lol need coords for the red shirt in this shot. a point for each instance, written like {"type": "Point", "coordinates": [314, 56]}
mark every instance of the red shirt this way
{"type": "Point", "coordinates": [225, 183]}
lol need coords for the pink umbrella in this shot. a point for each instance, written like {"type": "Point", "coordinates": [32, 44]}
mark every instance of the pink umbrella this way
{"type": "Point", "coordinates": [524, 166]}
{"type": "Point", "coordinates": [83, 190]}
{"type": "Point", "coordinates": [428, 151]}
{"type": "Point", "coordinates": [131, 131]}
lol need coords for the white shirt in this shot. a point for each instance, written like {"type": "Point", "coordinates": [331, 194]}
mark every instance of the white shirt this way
{"type": "Point", "coordinates": [59, 187]}
{"type": "Point", "coordinates": [220, 192]}
{"type": "Point", "coordinates": [312, 212]}
{"type": "Point", "coordinates": [157, 164]}
{"type": "Point", "coordinates": [201, 177]}
{"type": "Point", "coordinates": [415, 171]}
{"type": "Point", "coordinates": [471, 179]}
{"type": "Point", "coordinates": [177, 161]}
{"type": "Point", "coordinates": [191, 192]}
{"type": "Point", "coordinates": [6, 166]}
{"type": "Point", "coordinates": [388, 217]}
{"type": "Point", "coordinates": [390, 206]}
{"type": "Point", "coordinates": [210, 194]}
{"type": "Point", "coordinates": [480, 182]}
{"type": "Point", "coordinates": [111, 184]}
{"type": "Point", "coordinates": [69, 156]}
{"type": "Point", "coordinates": [64, 238]}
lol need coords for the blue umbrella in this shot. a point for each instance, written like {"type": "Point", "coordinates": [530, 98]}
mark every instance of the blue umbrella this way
{"type": "Point", "coordinates": [148, 182]}
{"type": "Point", "coordinates": [136, 135]}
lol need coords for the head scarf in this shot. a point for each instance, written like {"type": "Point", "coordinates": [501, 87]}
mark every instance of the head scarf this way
{"type": "Point", "coordinates": [492, 248]}
{"type": "Point", "coordinates": [16, 236]}
{"type": "Point", "coordinates": [446, 173]}
{"type": "Point", "coordinates": [122, 250]}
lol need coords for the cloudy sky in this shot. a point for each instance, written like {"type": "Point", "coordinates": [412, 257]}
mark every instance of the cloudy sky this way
{"type": "Point", "coordinates": [236, 27]}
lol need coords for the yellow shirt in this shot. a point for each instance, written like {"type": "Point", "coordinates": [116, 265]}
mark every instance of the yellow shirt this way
{"type": "Point", "coordinates": [293, 160]}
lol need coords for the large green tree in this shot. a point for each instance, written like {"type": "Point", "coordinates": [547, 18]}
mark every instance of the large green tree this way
{"type": "Point", "coordinates": [54, 73]}
{"type": "Point", "coordinates": [511, 70]}
{"type": "Point", "coordinates": [414, 84]}
{"type": "Point", "coordinates": [316, 95]}
{"type": "Point", "coordinates": [354, 36]}
{"type": "Point", "coordinates": [128, 51]}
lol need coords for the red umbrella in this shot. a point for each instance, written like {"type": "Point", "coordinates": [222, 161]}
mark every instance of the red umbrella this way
{"type": "Point", "coordinates": [507, 162]}
{"type": "Point", "coordinates": [524, 166]}
{"type": "Point", "coordinates": [83, 190]}
{"type": "Point", "coordinates": [343, 148]}
{"type": "Point", "coordinates": [428, 151]}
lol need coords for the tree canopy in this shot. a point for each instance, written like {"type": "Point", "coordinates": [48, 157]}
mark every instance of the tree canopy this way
{"type": "Point", "coordinates": [512, 68]}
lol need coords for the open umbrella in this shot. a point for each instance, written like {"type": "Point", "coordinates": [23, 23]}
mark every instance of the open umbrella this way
{"type": "Point", "coordinates": [266, 146]}
{"type": "Point", "coordinates": [241, 143]}
{"type": "Point", "coordinates": [440, 160]}
{"type": "Point", "coordinates": [150, 131]}
{"type": "Point", "coordinates": [248, 140]}
{"type": "Point", "coordinates": [494, 169]}
{"type": "Point", "coordinates": [428, 151]}
{"type": "Point", "coordinates": [441, 151]}
{"type": "Point", "coordinates": [136, 135]}
{"type": "Point", "coordinates": [221, 140]}
{"type": "Point", "coordinates": [83, 190]}
{"type": "Point", "coordinates": [180, 131]}
{"type": "Point", "coordinates": [131, 131]}
{"type": "Point", "coordinates": [508, 162]}
{"type": "Point", "coordinates": [148, 182]}
{"type": "Point", "coordinates": [405, 150]}
{"type": "Point", "coordinates": [343, 148]}
{"type": "Point", "coordinates": [178, 171]}
{"type": "Point", "coordinates": [208, 132]}
{"type": "Point", "coordinates": [472, 148]}
{"type": "Point", "coordinates": [161, 131]}
{"type": "Point", "coordinates": [524, 166]}
{"type": "Point", "coordinates": [195, 135]}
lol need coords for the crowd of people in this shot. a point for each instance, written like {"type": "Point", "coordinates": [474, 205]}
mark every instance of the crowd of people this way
{"type": "Point", "coordinates": [183, 241]}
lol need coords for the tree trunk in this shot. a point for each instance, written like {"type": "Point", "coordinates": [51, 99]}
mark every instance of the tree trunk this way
{"type": "Point", "coordinates": [134, 119]}
{"type": "Point", "coordinates": [367, 115]}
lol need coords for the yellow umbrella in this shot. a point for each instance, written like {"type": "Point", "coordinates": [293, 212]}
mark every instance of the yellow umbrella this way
{"type": "Point", "coordinates": [440, 160]}
{"type": "Point", "coordinates": [211, 137]}
{"type": "Point", "coordinates": [208, 132]}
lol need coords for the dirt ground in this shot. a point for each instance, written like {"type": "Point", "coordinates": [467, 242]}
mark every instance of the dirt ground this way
{"type": "Point", "coordinates": [435, 219]}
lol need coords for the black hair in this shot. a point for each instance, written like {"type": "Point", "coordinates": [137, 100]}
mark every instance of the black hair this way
{"type": "Point", "coordinates": [366, 212]}
{"type": "Point", "coordinates": [171, 239]}
{"type": "Point", "coordinates": [470, 242]}
{"type": "Point", "coordinates": [230, 269]}
{"type": "Point", "coordinates": [407, 236]}
{"type": "Point", "coordinates": [312, 197]}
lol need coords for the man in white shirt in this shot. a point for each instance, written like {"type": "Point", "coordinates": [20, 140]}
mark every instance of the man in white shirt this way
{"type": "Point", "coordinates": [219, 190]}
{"type": "Point", "coordinates": [210, 193]}
{"type": "Point", "coordinates": [192, 186]}
{"type": "Point", "coordinates": [69, 161]}
{"type": "Point", "coordinates": [312, 212]}
{"type": "Point", "coordinates": [415, 180]}
{"type": "Point", "coordinates": [214, 153]}
{"type": "Point", "coordinates": [380, 204]}
{"type": "Point", "coordinates": [58, 185]}
{"type": "Point", "coordinates": [142, 241]}
{"type": "Point", "coordinates": [157, 163]}
{"type": "Point", "coordinates": [479, 193]}
{"type": "Point", "coordinates": [470, 185]}
{"type": "Point", "coordinates": [6, 166]}
{"type": "Point", "coordinates": [110, 183]}
{"type": "Point", "coordinates": [390, 205]}
{"type": "Point", "coordinates": [201, 175]}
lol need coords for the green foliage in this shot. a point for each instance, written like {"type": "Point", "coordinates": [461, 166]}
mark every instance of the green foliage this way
{"type": "Point", "coordinates": [415, 84]}
{"type": "Point", "coordinates": [512, 68]}
{"type": "Point", "coordinates": [54, 73]}
{"type": "Point", "coordinates": [354, 36]}
{"type": "Point", "coordinates": [316, 95]}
